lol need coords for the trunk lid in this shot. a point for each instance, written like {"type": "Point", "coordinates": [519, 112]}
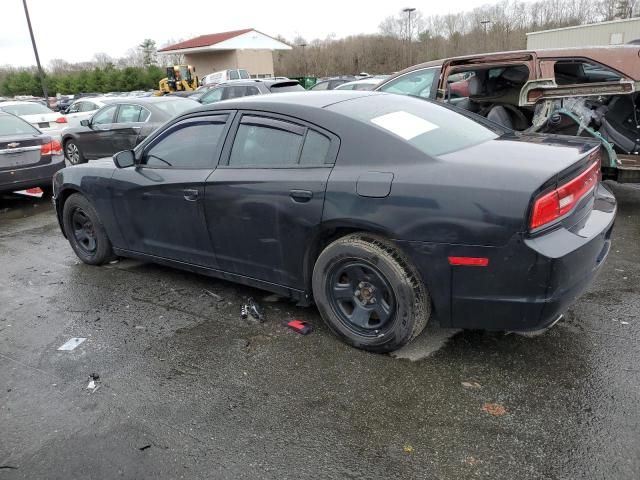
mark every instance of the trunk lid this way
{"type": "Point", "coordinates": [18, 151]}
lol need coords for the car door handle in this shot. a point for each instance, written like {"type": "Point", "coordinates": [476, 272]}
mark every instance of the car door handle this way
{"type": "Point", "coordinates": [301, 196]}
{"type": "Point", "coordinates": [190, 194]}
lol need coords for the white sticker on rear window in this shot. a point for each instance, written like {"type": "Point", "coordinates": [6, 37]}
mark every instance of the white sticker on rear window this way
{"type": "Point", "coordinates": [404, 124]}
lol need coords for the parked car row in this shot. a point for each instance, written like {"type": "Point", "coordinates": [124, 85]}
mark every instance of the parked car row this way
{"type": "Point", "coordinates": [386, 210]}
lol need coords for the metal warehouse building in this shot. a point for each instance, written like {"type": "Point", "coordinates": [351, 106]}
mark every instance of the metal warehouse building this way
{"type": "Point", "coordinates": [615, 32]}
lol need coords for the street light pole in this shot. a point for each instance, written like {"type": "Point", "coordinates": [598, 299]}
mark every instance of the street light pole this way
{"type": "Point", "coordinates": [304, 58]}
{"type": "Point", "coordinates": [484, 24]}
{"type": "Point", "coordinates": [35, 50]}
{"type": "Point", "coordinates": [408, 11]}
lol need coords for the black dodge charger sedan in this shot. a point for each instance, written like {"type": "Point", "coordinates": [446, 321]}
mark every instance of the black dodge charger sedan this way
{"type": "Point", "coordinates": [28, 157]}
{"type": "Point", "coordinates": [120, 125]}
{"type": "Point", "coordinates": [384, 210]}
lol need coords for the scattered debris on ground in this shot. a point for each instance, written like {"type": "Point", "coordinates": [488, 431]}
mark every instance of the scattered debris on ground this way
{"type": "Point", "coordinates": [494, 409]}
{"type": "Point", "coordinates": [300, 326]}
{"type": "Point", "coordinates": [215, 296]}
{"type": "Point", "coordinates": [471, 385]}
{"type": "Point", "coordinates": [71, 344]}
{"type": "Point", "coordinates": [144, 447]}
{"type": "Point", "coordinates": [408, 449]}
{"type": "Point", "coordinates": [252, 308]}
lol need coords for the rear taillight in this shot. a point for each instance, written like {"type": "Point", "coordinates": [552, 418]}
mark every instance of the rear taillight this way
{"type": "Point", "coordinates": [61, 120]}
{"type": "Point", "coordinates": [552, 205]}
{"type": "Point", "coordinates": [51, 148]}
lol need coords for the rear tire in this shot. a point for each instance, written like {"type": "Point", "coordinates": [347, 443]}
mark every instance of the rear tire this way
{"type": "Point", "coordinates": [72, 152]}
{"type": "Point", "coordinates": [369, 294]}
{"type": "Point", "coordinates": [85, 231]}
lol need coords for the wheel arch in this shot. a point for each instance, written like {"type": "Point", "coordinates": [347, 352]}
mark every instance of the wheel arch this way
{"type": "Point", "coordinates": [62, 196]}
{"type": "Point", "coordinates": [331, 231]}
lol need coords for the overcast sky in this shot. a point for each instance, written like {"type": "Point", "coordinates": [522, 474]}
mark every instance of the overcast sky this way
{"type": "Point", "coordinates": [76, 29]}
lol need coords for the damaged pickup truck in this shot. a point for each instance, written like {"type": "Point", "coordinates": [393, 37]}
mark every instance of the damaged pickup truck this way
{"type": "Point", "coordinates": [589, 92]}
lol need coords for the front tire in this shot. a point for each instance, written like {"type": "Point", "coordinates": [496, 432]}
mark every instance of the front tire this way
{"type": "Point", "coordinates": [72, 153]}
{"type": "Point", "coordinates": [85, 231]}
{"type": "Point", "coordinates": [369, 294]}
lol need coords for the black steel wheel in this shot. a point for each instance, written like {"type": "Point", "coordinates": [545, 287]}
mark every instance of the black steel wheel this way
{"type": "Point", "coordinates": [85, 232]}
{"type": "Point", "coordinates": [369, 293]}
{"type": "Point", "coordinates": [361, 296]}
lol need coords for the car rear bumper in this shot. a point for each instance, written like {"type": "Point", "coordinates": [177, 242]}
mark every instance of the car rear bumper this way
{"type": "Point", "coordinates": [528, 283]}
{"type": "Point", "coordinates": [27, 177]}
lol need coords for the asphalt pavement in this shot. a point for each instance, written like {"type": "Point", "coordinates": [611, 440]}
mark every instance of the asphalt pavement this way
{"type": "Point", "coordinates": [181, 387]}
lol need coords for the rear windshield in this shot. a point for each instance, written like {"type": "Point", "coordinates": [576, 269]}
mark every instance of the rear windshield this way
{"type": "Point", "coordinates": [10, 125]}
{"type": "Point", "coordinates": [176, 107]}
{"type": "Point", "coordinates": [434, 129]}
{"type": "Point", "coordinates": [25, 109]}
{"type": "Point", "coordinates": [286, 87]}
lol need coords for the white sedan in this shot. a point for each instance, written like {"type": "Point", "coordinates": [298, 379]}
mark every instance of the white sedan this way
{"type": "Point", "coordinates": [84, 107]}
{"type": "Point", "coordinates": [44, 119]}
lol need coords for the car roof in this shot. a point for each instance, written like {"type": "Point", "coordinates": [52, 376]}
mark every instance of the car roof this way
{"type": "Point", "coordinates": [318, 99]}
{"type": "Point", "coordinates": [96, 99]}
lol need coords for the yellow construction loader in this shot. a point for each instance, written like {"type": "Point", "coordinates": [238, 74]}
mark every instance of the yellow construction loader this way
{"type": "Point", "coordinates": [180, 78]}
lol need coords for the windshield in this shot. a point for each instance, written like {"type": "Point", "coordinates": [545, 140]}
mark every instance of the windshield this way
{"type": "Point", "coordinates": [177, 106]}
{"type": "Point", "coordinates": [10, 125]}
{"type": "Point", "coordinates": [26, 109]}
{"type": "Point", "coordinates": [432, 128]}
{"type": "Point", "coordinates": [419, 83]}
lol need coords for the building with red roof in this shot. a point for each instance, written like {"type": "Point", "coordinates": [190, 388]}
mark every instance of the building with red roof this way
{"type": "Point", "coordinates": [248, 49]}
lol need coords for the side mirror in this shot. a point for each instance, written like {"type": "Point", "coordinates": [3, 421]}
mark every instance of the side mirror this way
{"type": "Point", "coordinates": [124, 159]}
{"type": "Point", "coordinates": [85, 123]}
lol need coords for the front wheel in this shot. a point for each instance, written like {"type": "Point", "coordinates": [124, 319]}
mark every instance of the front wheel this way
{"type": "Point", "coordinates": [85, 232]}
{"type": "Point", "coordinates": [369, 294]}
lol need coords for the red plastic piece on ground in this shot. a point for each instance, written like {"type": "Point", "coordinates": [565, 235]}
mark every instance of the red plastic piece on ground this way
{"type": "Point", "coordinates": [300, 326]}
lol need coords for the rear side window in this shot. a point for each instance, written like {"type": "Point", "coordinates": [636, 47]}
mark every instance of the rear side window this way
{"type": "Point", "coordinates": [10, 125]}
{"type": "Point", "coordinates": [190, 145]}
{"type": "Point", "coordinates": [270, 143]}
{"type": "Point", "coordinates": [320, 86]}
{"type": "Point", "coordinates": [419, 83]}
{"type": "Point", "coordinates": [234, 75]}
{"type": "Point", "coordinates": [259, 145]}
{"type": "Point", "coordinates": [432, 128]}
{"type": "Point", "coordinates": [244, 74]}
{"type": "Point", "coordinates": [571, 72]}
{"type": "Point", "coordinates": [129, 114]}
{"type": "Point", "coordinates": [315, 150]}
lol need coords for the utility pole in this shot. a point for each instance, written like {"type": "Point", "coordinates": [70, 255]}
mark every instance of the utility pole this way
{"type": "Point", "coordinates": [485, 23]}
{"type": "Point", "coordinates": [35, 50]}
{"type": "Point", "coordinates": [304, 58]}
{"type": "Point", "coordinates": [408, 11]}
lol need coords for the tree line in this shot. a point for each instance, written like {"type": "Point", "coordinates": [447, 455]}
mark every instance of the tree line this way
{"type": "Point", "coordinates": [137, 70]}
{"type": "Point", "coordinates": [399, 43]}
